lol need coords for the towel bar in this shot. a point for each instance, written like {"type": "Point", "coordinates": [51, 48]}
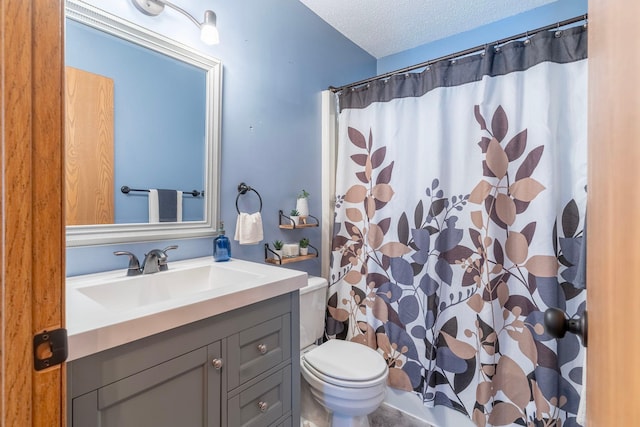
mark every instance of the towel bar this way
{"type": "Point", "coordinates": [242, 189]}
{"type": "Point", "coordinates": [126, 190]}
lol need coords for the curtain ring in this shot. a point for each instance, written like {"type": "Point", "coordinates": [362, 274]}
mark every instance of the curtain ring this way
{"type": "Point", "coordinates": [527, 40]}
{"type": "Point", "coordinates": [558, 31]}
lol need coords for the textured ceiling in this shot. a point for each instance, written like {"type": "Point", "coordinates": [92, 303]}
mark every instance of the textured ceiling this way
{"type": "Point", "coordinates": [385, 27]}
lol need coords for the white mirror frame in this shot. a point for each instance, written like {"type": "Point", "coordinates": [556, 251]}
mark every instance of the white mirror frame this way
{"type": "Point", "coordinates": [85, 235]}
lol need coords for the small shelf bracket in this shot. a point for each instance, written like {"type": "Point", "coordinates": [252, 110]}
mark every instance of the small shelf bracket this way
{"type": "Point", "coordinates": [267, 249]}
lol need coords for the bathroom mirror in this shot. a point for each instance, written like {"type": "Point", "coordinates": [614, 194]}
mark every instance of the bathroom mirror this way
{"type": "Point", "coordinates": [146, 109]}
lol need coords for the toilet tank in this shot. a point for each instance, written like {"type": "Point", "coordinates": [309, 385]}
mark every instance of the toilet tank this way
{"type": "Point", "coordinates": [313, 303]}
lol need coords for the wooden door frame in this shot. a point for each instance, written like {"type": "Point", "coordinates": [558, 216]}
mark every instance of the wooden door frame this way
{"type": "Point", "coordinates": [32, 219]}
{"type": "Point", "coordinates": [613, 373]}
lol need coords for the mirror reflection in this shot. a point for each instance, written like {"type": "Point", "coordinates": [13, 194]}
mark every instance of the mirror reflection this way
{"type": "Point", "coordinates": [141, 132]}
{"type": "Point", "coordinates": [135, 118]}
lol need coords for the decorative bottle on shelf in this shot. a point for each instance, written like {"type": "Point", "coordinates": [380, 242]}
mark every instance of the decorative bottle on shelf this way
{"type": "Point", "coordinates": [221, 246]}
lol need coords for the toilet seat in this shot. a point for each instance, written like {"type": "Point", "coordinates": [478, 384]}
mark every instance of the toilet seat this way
{"type": "Point", "coordinates": [346, 364]}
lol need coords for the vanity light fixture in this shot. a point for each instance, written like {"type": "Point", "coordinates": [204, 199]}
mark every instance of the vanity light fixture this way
{"type": "Point", "coordinates": [208, 30]}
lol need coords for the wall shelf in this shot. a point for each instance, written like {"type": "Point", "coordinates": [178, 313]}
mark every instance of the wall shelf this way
{"type": "Point", "coordinates": [286, 222]}
{"type": "Point", "coordinates": [287, 260]}
{"type": "Point", "coordinates": [280, 260]}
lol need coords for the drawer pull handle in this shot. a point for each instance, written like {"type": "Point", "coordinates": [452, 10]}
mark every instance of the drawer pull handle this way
{"type": "Point", "coordinates": [217, 363]}
{"type": "Point", "coordinates": [262, 348]}
{"type": "Point", "coordinates": [263, 406]}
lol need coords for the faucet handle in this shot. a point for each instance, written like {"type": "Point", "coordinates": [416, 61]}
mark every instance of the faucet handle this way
{"type": "Point", "coordinates": [162, 262]}
{"type": "Point", "coordinates": [169, 248]}
{"type": "Point", "coordinates": [134, 264]}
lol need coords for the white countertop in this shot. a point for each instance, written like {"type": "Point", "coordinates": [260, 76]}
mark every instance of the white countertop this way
{"type": "Point", "coordinates": [123, 311]}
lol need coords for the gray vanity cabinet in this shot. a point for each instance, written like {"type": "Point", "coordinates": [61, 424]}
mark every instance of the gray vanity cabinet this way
{"type": "Point", "coordinates": [169, 394]}
{"type": "Point", "coordinates": [235, 369]}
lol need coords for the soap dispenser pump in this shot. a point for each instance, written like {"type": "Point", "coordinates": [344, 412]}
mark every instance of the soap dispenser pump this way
{"type": "Point", "coordinates": [221, 246]}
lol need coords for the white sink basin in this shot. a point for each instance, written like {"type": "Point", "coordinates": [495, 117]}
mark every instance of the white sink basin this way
{"type": "Point", "coordinates": [104, 310]}
{"type": "Point", "coordinates": [126, 293]}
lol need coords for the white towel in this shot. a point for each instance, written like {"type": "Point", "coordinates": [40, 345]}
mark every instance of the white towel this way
{"type": "Point", "coordinates": [154, 206]}
{"type": "Point", "coordinates": [249, 228]}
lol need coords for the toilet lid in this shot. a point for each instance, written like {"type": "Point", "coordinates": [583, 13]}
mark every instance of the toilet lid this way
{"type": "Point", "coordinates": [346, 360]}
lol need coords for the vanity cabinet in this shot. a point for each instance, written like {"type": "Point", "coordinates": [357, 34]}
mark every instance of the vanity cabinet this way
{"type": "Point", "coordinates": [235, 369]}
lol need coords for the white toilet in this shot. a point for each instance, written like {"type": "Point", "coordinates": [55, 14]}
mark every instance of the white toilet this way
{"type": "Point", "coordinates": [346, 378]}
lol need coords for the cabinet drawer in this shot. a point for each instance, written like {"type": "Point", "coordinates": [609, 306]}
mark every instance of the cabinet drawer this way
{"type": "Point", "coordinates": [285, 423]}
{"type": "Point", "coordinates": [263, 403]}
{"type": "Point", "coordinates": [258, 349]}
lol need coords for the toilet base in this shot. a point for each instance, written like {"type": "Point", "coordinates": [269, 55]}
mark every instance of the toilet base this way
{"type": "Point", "coordinates": [313, 414]}
{"type": "Point", "coordinates": [338, 420]}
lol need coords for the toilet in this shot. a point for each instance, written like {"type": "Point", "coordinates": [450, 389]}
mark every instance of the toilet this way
{"type": "Point", "coordinates": [348, 379]}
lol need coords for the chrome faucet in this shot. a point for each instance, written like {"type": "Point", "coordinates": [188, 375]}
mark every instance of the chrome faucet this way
{"type": "Point", "coordinates": [154, 261]}
{"type": "Point", "coordinates": [134, 264]}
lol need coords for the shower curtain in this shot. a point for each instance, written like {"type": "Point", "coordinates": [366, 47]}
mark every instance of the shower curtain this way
{"type": "Point", "coordinates": [460, 209]}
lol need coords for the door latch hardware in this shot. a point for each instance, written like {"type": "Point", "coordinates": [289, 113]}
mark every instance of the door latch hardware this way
{"type": "Point", "coordinates": [49, 348]}
{"type": "Point", "coordinates": [557, 324]}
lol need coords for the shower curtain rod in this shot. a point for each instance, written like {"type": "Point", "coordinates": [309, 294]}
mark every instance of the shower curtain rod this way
{"type": "Point", "coordinates": [461, 53]}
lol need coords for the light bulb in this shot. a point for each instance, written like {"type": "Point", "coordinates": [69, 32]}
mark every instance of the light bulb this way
{"type": "Point", "coordinates": [209, 34]}
{"type": "Point", "coordinates": [208, 31]}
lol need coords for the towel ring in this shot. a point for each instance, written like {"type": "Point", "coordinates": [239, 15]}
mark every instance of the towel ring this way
{"type": "Point", "coordinates": [242, 189]}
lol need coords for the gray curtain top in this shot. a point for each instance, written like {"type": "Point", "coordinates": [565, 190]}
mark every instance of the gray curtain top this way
{"type": "Point", "coordinates": [568, 45]}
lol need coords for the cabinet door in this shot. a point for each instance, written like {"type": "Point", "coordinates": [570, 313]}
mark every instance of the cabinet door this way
{"type": "Point", "coordinates": [215, 367]}
{"type": "Point", "coordinates": [173, 393]}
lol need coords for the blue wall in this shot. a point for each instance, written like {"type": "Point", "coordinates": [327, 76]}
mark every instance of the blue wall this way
{"type": "Point", "coordinates": [536, 18]}
{"type": "Point", "coordinates": [278, 57]}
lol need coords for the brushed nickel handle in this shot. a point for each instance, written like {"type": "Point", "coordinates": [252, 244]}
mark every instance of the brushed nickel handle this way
{"type": "Point", "coordinates": [262, 348]}
{"type": "Point", "coordinates": [263, 406]}
{"type": "Point", "coordinates": [217, 363]}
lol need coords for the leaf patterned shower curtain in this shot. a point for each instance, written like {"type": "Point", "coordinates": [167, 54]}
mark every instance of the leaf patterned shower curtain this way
{"type": "Point", "coordinates": [460, 208]}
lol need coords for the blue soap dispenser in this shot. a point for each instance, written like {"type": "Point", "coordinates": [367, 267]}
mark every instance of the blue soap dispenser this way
{"type": "Point", "coordinates": [221, 246]}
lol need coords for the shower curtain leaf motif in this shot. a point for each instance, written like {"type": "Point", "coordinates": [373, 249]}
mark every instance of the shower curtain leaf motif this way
{"type": "Point", "coordinates": [454, 304]}
{"type": "Point", "coordinates": [455, 354]}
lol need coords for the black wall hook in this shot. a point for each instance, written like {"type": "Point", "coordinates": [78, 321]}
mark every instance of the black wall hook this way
{"type": "Point", "coordinates": [557, 324]}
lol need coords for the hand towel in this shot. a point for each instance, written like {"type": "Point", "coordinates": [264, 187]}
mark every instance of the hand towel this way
{"type": "Point", "coordinates": [165, 206]}
{"type": "Point", "coordinates": [249, 228]}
